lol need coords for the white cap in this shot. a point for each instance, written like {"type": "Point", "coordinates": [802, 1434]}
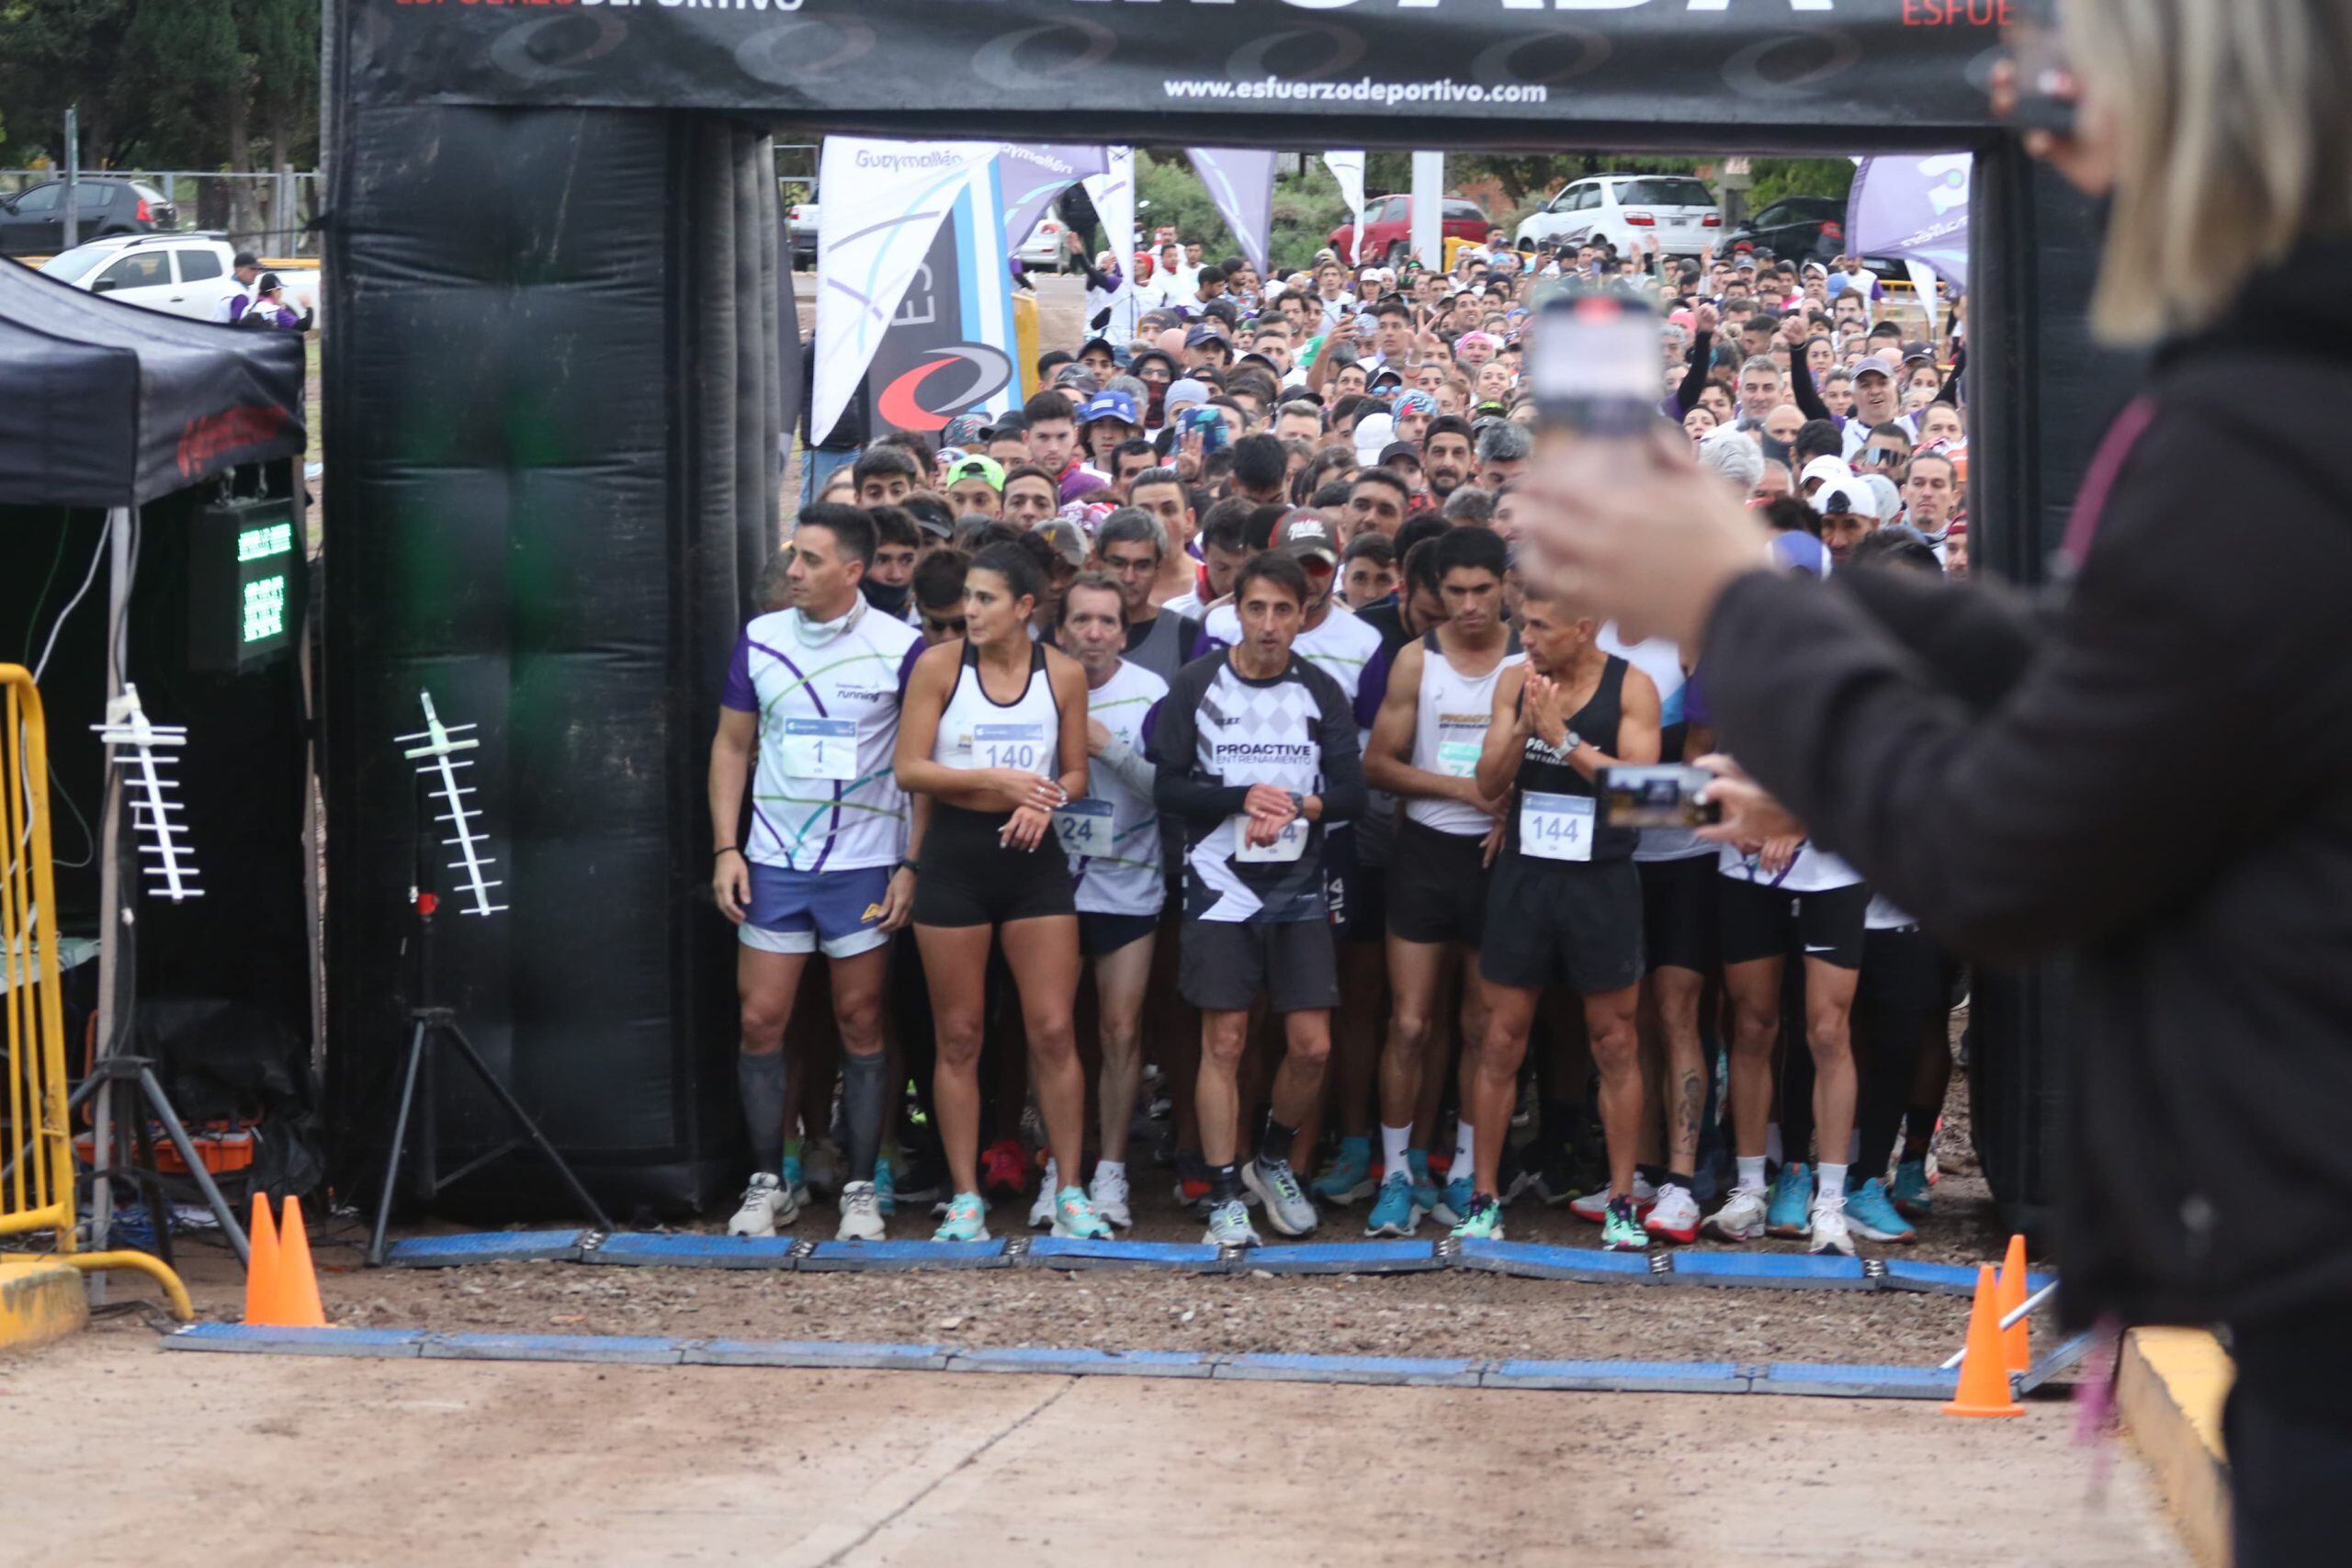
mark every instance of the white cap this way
{"type": "Point", "coordinates": [1827, 467]}
{"type": "Point", "coordinates": [1849, 495]}
{"type": "Point", "coordinates": [1373, 432]}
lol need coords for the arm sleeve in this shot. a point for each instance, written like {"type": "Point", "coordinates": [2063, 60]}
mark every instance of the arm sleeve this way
{"type": "Point", "coordinates": [1341, 738]}
{"type": "Point", "coordinates": [1694, 378]}
{"type": "Point", "coordinates": [1179, 788]}
{"type": "Point", "coordinates": [2091, 798]}
{"type": "Point", "coordinates": [1130, 767]}
{"type": "Point", "coordinates": [1801, 388]}
{"type": "Point", "coordinates": [1372, 689]}
{"type": "Point", "coordinates": [739, 693]}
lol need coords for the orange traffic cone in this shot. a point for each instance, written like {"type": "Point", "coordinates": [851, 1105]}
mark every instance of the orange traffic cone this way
{"type": "Point", "coordinates": [1983, 1375]}
{"type": "Point", "coordinates": [2017, 1344]}
{"type": "Point", "coordinates": [261, 1269]}
{"type": "Point", "coordinates": [297, 1297]}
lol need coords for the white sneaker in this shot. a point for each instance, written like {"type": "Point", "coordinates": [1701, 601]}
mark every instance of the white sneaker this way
{"type": "Point", "coordinates": [1676, 1215]}
{"type": "Point", "coordinates": [860, 1213]}
{"type": "Point", "coordinates": [1742, 1217]}
{"type": "Point", "coordinates": [1108, 1192]}
{"type": "Point", "coordinates": [766, 1206]}
{"type": "Point", "coordinates": [1041, 1212]}
{"type": "Point", "coordinates": [1593, 1207]}
{"type": "Point", "coordinates": [1829, 1232]}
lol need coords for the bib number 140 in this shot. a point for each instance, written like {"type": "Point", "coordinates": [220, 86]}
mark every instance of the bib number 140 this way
{"type": "Point", "coordinates": [1021, 746]}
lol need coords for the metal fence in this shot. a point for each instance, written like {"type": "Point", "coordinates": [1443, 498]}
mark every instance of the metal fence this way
{"type": "Point", "coordinates": [269, 213]}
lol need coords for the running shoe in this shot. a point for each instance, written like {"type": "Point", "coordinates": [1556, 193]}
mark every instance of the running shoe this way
{"type": "Point", "coordinates": [1675, 1216]}
{"type": "Point", "coordinates": [1075, 1219]}
{"type": "Point", "coordinates": [1911, 1196]}
{"type": "Point", "coordinates": [795, 1185]}
{"type": "Point", "coordinates": [1556, 1178]}
{"type": "Point", "coordinates": [1192, 1182]}
{"type": "Point", "coordinates": [967, 1219]}
{"type": "Point", "coordinates": [1483, 1221]}
{"type": "Point", "coordinates": [1742, 1217]}
{"type": "Point", "coordinates": [1109, 1195]}
{"type": "Point", "coordinates": [1621, 1231]}
{"type": "Point", "coordinates": [1230, 1225]}
{"type": "Point", "coordinates": [1510, 1177]}
{"type": "Point", "coordinates": [1004, 1169]}
{"type": "Point", "coordinates": [1424, 1189]}
{"type": "Point", "coordinates": [1792, 1195]}
{"type": "Point", "coordinates": [1287, 1209]}
{"type": "Point", "coordinates": [1593, 1207]}
{"type": "Point", "coordinates": [886, 1191]}
{"type": "Point", "coordinates": [1396, 1212]}
{"type": "Point", "coordinates": [861, 1214]}
{"type": "Point", "coordinates": [1870, 1215]}
{"type": "Point", "coordinates": [1348, 1179]}
{"type": "Point", "coordinates": [1827, 1227]}
{"type": "Point", "coordinates": [1453, 1201]}
{"type": "Point", "coordinates": [1041, 1212]}
{"type": "Point", "coordinates": [767, 1203]}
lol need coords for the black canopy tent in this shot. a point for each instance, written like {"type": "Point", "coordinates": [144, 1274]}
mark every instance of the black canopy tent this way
{"type": "Point", "coordinates": [119, 427]}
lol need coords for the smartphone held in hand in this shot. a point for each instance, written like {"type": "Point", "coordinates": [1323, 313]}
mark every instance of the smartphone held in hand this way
{"type": "Point", "coordinates": [1593, 366]}
{"type": "Point", "coordinates": [1662, 795]}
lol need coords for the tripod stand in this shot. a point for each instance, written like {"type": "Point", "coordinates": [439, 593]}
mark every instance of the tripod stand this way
{"type": "Point", "coordinates": [432, 1025]}
{"type": "Point", "coordinates": [128, 1090]}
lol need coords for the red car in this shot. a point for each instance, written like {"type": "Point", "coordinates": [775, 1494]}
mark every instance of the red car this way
{"type": "Point", "coordinates": [1388, 229]}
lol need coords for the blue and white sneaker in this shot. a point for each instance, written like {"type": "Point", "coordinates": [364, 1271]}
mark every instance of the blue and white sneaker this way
{"type": "Point", "coordinates": [967, 1219]}
{"type": "Point", "coordinates": [1911, 1194]}
{"type": "Point", "coordinates": [1870, 1216]}
{"type": "Point", "coordinates": [1396, 1212]}
{"type": "Point", "coordinates": [1348, 1179]}
{"type": "Point", "coordinates": [1453, 1205]}
{"type": "Point", "coordinates": [1788, 1215]}
{"type": "Point", "coordinates": [1424, 1185]}
{"type": "Point", "coordinates": [795, 1183]}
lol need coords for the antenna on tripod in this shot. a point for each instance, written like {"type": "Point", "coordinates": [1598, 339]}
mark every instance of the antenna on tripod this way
{"type": "Point", "coordinates": [439, 767]}
{"type": "Point", "coordinates": [147, 753]}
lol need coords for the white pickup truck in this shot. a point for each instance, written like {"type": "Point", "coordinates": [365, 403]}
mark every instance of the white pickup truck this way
{"type": "Point", "coordinates": [180, 273]}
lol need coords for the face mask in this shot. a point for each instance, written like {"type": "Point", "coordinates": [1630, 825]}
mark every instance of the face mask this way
{"type": "Point", "coordinates": [882, 596]}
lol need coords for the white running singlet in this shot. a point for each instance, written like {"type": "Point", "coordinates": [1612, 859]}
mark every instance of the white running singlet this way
{"type": "Point", "coordinates": [978, 731]}
{"type": "Point", "coordinates": [1449, 731]}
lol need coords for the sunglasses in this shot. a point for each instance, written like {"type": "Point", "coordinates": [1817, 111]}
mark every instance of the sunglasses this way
{"type": "Point", "coordinates": [943, 629]}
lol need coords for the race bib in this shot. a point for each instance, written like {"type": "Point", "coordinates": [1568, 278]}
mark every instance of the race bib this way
{"type": "Point", "coordinates": [1459, 758]}
{"type": "Point", "coordinates": [1555, 827]}
{"type": "Point", "coordinates": [1021, 746]}
{"type": "Point", "coordinates": [1084, 827]}
{"type": "Point", "coordinates": [821, 748]}
{"type": "Point", "coordinates": [1288, 845]}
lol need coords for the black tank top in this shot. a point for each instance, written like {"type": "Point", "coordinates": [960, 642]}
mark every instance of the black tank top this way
{"type": "Point", "coordinates": [1545, 772]}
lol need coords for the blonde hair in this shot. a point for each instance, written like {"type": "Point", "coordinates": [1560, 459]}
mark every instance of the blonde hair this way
{"type": "Point", "coordinates": [2234, 142]}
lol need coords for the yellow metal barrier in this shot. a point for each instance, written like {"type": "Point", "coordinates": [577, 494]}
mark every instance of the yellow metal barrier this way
{"type": "Point", "coordinates": [37, 1193]}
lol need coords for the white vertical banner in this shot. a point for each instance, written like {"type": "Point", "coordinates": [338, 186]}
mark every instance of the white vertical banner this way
{"type": "Point", "coordinates": [1242, 185]}
{"type": "Point", "coordinates": [885, 203]}
{"type": "Point", "coordinates": [1429, 209]}
{"type": "Point", "coordinates": [1348, 169]}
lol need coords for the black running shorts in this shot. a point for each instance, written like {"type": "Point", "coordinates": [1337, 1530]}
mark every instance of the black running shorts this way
{"type": "Point", "coordinates": [1762, 921]}
{"type": "Point", "coordinates": [1679, 901]}
{"type": "Point", "coordinates": [1551, 923]}
{"type": "Point", "coordinates": [968, 876]}
{"type": "Point", "coordinates": [1437, 887]}
{"type": "Point", "coordinates": [1224, 965]}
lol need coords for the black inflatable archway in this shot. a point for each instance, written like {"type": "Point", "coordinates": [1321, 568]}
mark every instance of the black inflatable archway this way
{"type": "Point", "coordinates": [553, 388]}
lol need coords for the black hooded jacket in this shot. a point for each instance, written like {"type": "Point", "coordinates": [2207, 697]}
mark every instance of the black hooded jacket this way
{"type": "Point", "coordinates": [2155, 775]}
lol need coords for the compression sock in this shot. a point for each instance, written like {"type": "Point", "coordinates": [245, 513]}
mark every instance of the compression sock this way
{"type": "Point", "coordinates": [1276, 1146]}
{"type": "Point", "coordinates": [1751, 1172]}
{"type": "Point", "coordinates": [1391, 1149]}
{"type": "Point", "coordinates": [1225, 1183]}
{"type": "Point", "coordinates": [761, 1078]}
{"type": "Point", "coordinates": [1829, 1185]}
{"type": "Point", "coordinates": [865, 1093]}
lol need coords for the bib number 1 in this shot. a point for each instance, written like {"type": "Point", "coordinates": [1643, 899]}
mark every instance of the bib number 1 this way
{"type": "Point", "coordinates": [821, 748]}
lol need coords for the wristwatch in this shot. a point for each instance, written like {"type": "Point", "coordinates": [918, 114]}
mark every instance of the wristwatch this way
{"type": "Point", "coordinates": [1297, 804]}
{"type": "Point", "coordinates": [1570, 743]}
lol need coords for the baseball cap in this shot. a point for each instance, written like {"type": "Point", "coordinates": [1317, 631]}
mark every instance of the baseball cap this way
{"type": "Point", "coordinates": [977, 466]}
{"type": "Point", "coordinates": [964, 430]}
{"type": "Point", "coordinates": [1197, 336]}
{"type": "Point", "coordinates": [1849, 495]}
{"type": "Point", "coordinates": [1396, 449]}
{"type": "Point", "coordinates": [1373, 432]}
{"type": "Point", "coordinates": [1874, 364]}
{"type": "Point", "coordinates": [1011, 422]}
{"type": "Point", "coordinates": [1386, 375]}
{"type": "Point", "coordinates": [1078, 379]}
{"type": "Point", "coordinates": [1109, 405]}
{"type": "Point", "coordinates": [1068, 540]}
{"type": "Point", "coordinates": [1890, 499]}
{"type": "Point", "coordinates": [1105, 344]}
{"type": "Point", "coordinates": [1305, 536]}
{"type": "Point", "coordinates": [1826, 467]}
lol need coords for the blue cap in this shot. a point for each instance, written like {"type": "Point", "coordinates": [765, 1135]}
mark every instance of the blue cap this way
{"type": "Point", "coordinates": [1109, 405]}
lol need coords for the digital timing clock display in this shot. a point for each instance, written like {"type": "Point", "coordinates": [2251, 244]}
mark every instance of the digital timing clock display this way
{"type": "Point", "coordinates": [246, 584]}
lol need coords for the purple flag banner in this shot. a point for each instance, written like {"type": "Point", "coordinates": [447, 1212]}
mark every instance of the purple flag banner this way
{"type": "Point", "coordinates": [1913, 207]}
{"type": "Point", "coordinates": [1242, 185]}
{"type": "Point", "coordinates": [1033, 176]}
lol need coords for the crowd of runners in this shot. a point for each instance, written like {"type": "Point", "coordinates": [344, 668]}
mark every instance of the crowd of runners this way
{"type": "Point", "coordinates": [1175, 774]}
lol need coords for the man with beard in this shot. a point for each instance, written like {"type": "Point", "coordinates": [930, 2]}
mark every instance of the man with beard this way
{"type": "Point", "coordinates": [1448, 455]}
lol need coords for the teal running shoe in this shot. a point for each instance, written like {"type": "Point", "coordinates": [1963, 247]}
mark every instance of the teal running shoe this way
{"type": "Point", "coordinates": [1870, 1215]}
{"type": "Point", "coordinates": [1482, 1222]}
{"type": "Point", "coordinates": [795, 1184]}
{"type": "Point", "coordinates": [967, 1219]}
{"type": "Point", "coordinates": [1397, 1212]}
{"type": "Point", "coordinates": [1621, 1232]}
{"type": "Point", "coordinates": [1075, 1219]}
{"type": "Point", "coordinates": [886, 1193]}
{"type": "Point", "coordinates": [1348, 1179]}
{"type": "Point", "coordinates": [1453, 1205]}
{"type": "Point", "coordinates": [1911, 1195]}
{"type": "Point", "coordinates": [1424, 1185]}
{"type": "Point", "coordinates": [1789, 1215]}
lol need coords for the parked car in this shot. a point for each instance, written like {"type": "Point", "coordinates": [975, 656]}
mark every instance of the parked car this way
{"type": "Point", "coordinates": [180, 275]}
{"type": "Point", "coordinates": [32, 222]}
{"type": "Point", "coordinates": [800, 223]}
{"type": "Point", "coordinates": [1388, 229]}
{"type": "Point", "coordinates": [1796, 228]}
{"type": "Point", "coordinates": [1677, 212]}
{"type": "Point", "coordinates": [1044, 250]}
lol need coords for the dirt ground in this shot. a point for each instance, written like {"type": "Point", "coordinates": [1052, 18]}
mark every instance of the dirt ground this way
{"type": "Point", "coordinates": [365, 1462]}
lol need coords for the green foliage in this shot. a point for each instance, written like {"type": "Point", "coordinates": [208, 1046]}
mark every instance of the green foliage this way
{"type": "Point", "coordinates": [1778, 177]}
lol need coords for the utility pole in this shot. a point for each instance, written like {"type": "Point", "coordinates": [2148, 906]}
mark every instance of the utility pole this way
{"type": "Point", "coordinates": [73, 175]}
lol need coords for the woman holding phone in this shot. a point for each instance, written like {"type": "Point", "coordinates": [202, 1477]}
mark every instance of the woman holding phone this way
{"type": "Point", "coordinates": [2148, 773]}
{"type": "Point", "coordinates": [992, 732]}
